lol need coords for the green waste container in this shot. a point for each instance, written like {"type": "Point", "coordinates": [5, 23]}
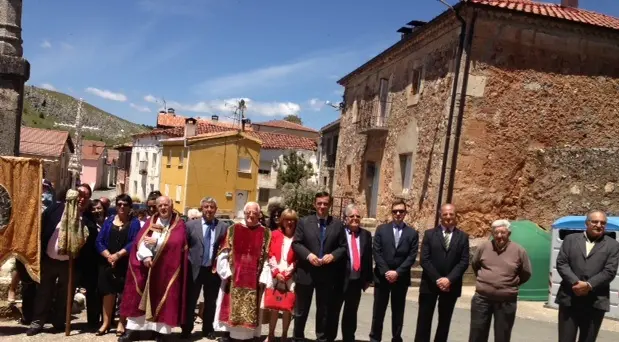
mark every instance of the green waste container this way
{"type": "Point", "coordinates": [536, 241]}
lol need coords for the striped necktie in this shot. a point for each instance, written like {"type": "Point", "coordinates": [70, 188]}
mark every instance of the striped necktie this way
{"type": "Point", "coordinates": [447, 238]}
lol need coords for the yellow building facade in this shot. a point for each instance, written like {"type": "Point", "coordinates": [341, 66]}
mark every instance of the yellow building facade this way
{"type": "Point", "coordinates": [219, 165]}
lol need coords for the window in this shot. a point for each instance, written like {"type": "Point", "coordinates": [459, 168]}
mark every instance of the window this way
{"type": "Point", "coordinates": [324, 180]}
{"type": "Point", "coordinates": [179, 191]}
{"type": "Point", "coordinates": [245, 165]}
{"type": "Point", "coordinates": [169, 158]}
{"type": "Point", "coordinates": [135, 187]}
{"type": "Point", "coordinates": [264, 172]}
{"type": "Point", "coordinates": [406, 161]}
{"type": "Point", "coordinates": [384, 96]}
{"type": "Point", "coordinates": [263, 195]}
{"type": "Point", "coordinates": [166, 190]}
{"type": "Point", "coordinates": [349, 174]}
{"type": "Point", "coordinates": [416, 81]}
{"type": "Point", "coordinates": [152, 187]}
{"type": "Point", "coordinates": [154, 160]}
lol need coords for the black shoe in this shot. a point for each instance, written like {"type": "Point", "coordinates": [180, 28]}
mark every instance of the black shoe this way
{"type": "Point", "coordinates": [209, 335]}
{"type": "Point", "coordinates": [128, 336]}
{"type": "Point", "coordinates": [34, 331]}
{"type": "Point", "coordinates": [58, 329]}
{"type": "Point", "coordinates": [102, 332]}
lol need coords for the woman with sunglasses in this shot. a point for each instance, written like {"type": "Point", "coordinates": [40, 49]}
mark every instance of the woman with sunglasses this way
{"type": "Point", "coordinates": [114, 243]}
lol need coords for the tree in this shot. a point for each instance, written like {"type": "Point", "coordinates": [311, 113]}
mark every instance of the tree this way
{"type": "Point", "coordinates": [294, 169]}
{"type": "Point", "coordinates": [292, 179]}
{"type": "Point", "coordinates": [294, 118]}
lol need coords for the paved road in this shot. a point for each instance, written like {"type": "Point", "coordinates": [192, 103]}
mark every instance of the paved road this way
{"type": "Point", "coordinates": [525, 330]}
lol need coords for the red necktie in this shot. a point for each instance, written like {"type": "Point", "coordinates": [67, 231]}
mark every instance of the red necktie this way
{"type": "Point", "coordinates": [356, 263]}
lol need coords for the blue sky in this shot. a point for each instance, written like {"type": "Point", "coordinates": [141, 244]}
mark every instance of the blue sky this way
{"type": "Point", "coordinates": [285, 56]}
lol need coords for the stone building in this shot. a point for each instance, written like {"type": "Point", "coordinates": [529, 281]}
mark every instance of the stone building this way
{"type": "Point", "coordinates": [327, 154]}
{"type": "Point", "coordinates": [527, 129]}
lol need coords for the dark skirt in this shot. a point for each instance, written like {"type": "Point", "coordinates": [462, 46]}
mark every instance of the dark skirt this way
{"type": "Point", "coordinates": [112, 279]}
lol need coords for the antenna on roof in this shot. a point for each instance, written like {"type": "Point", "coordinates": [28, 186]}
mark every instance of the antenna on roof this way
{"type": "Point", "coordinates": [165, 106]}
{"type": "Point", "coordinates": [239, 113]}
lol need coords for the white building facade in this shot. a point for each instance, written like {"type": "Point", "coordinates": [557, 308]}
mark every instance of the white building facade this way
{"type": "Point", "coordinates": [270, 162]}
{"type": "Point", "coordinates": [145, 166]}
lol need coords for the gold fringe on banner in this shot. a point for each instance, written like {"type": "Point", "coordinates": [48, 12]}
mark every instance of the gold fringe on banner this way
{"type": "Point", "coordinates": [20, 212]}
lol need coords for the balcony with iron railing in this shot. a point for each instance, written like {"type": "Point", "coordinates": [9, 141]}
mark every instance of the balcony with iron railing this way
{"type": "Point", "coordinates": [371, 117]}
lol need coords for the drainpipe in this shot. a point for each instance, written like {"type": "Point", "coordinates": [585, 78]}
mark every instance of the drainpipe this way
{"type": "Point", "coordinates": [454, 93]}
{"type": "Point", "coordinates": [465, 81]}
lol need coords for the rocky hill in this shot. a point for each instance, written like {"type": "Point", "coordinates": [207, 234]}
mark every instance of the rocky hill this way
{"type": "Point", "coordinates": [50, 109]}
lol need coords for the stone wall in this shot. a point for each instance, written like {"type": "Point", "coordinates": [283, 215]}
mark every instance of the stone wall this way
{"type": "Point", "coordinates": [536, 134]}
{"type": "Point", "coordinates": [416, 125]}
{"type": "Point", "coordinates": [539, 126]}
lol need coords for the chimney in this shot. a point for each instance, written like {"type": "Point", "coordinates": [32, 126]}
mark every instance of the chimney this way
{"type": "Point", "coordinates": [171, 111]}
{"type": "Point", "coordinates": [409, 28]}
{"type": "Point", "coordinates": [190, 127]}
{"type": "Point", "coordinates": [569, 3]}
{"type": "Point", "coordinates": [215, 117]}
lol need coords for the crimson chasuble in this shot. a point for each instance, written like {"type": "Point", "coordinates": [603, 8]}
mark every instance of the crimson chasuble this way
{"type": "Point", "coordinates": [248, 250]}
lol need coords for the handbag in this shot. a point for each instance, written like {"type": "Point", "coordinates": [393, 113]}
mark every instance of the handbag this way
{"type": "Point", "coordinates": [279, 300]}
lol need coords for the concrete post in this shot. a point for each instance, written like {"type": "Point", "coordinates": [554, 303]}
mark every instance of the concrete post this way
{"type": "Point", "coordinates": [14, 72]}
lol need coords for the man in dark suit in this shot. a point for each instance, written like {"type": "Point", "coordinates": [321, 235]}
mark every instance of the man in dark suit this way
{"type": "Point", "coordinates": [55, 267]}
{"type": "Point", "coordinates": [203, 238]}
{"type": "Point", "coordinates": [587, 264]}
{"type": "Point", "coordinates": [320, 245]}
{"type": "Point", "coordinates": [444, 259]}
{"type": "Point", "coordinates": [358, 276]}
{"type": "Point", "coordinates": [395, 250]}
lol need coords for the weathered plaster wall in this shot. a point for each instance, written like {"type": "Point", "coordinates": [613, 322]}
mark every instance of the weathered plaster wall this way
{"type": "Point", "coordinates": [545, 87]}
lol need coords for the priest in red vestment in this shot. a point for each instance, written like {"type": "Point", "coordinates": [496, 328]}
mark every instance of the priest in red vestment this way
{"type": "Point", "coordinates": [242, 264]}
{"type": "Point", "coordinates": [154, 295]}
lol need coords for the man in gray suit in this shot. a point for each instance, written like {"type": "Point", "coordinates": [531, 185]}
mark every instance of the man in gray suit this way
{"type": "Point", "coordinates": [203, 238]}
{"type": "Point", "coordinates": [587, 264]}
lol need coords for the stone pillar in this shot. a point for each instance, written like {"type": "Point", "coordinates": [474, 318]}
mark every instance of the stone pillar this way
{"type": "Point", "coordinates": [14, 72]}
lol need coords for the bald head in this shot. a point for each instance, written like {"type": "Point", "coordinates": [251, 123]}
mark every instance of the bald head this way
{"type": "Point", "coordinates": [448, 215]}
{"type": "Point", "coordinates": [164, 206]}
{"type": "Point", "coordinates": [252, 213]}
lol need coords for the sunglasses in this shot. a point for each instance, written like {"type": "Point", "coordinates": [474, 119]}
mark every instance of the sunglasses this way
{"type": "Point", "coordinates": [399, 211]}
{"type": "Point", "coordinates": [354, 216]}
{"type": "Point", "coordinates": [122, 204]}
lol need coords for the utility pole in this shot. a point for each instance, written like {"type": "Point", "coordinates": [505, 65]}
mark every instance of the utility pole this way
{"type": "Point", "coordinates": [14, 72]}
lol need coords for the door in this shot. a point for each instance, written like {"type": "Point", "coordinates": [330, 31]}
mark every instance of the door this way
{"type": "Point", "coordinates": [240, 201]}
{"type": "Point", "coordinates": [372, 176]}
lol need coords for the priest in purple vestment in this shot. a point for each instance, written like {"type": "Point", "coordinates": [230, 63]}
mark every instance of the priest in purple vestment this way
{"type": "Point", "coordinates": [154, 294]}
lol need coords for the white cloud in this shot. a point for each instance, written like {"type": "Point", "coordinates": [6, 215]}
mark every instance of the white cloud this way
{"type": "Point", "coordinates": [46, 44]}
{"type": "Point", "coordinates": [151, 99]}
{"type": "Point", "coordinates": [316, 104]}
{"type": "Point", "coordinates": [106, 94]}
{"type": "Point", "coordinates": [142, 109]}
{"type": "Point", "coordinates": [228, 106]}
{"type": "Point", "coordinates": [48, 86]}
{"type": "Point", "coordinates": [66, 46]}
{"type": "Point", "coordinates": [273, 76]}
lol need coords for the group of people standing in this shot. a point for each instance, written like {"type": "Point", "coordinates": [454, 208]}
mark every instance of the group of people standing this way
{"type": "Point", "coordinates": [248, 274]}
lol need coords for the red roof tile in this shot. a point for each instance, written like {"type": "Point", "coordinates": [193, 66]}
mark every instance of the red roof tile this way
{"type": "Point", "coordinates": [270, 141]}
{"type": "Point", "coordinates": [279, 141]}
{"type": "Point", "coordinates": [554, 10]}
{"type": "Point", "coordinates": [43, 142]}
{"type": "Point", "coordinates": [285, 124]}
{"type": "Point", "coordinates": [92, 150]}
{"type": "Point", "coordinates": [165, 120]}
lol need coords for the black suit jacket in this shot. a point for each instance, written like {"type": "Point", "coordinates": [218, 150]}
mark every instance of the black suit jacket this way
{"type": "Point", "coordinates": [365, 250]}
{"type": "Point", "coordinates": [437, 261]}
{"type": "Point", "coordinates": [49, 221]}
{"type": "Point", "coordinates": [389, 257]}
{"type": "Point", "coordinates": [599, 268]}
{"type": "Point", "coordinates": [307, 240]}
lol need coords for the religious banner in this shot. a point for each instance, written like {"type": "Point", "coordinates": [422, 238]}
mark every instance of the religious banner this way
{"type": "Point", "coordinates": [20, 212]}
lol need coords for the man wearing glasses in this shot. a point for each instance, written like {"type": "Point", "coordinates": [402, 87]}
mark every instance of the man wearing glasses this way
{"type": "Point", "coordinates": [358, 276]}
{"type": "Point", "coordinates": [587, 264]}
{"type": "Point", "coordinates": [395, 250]}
